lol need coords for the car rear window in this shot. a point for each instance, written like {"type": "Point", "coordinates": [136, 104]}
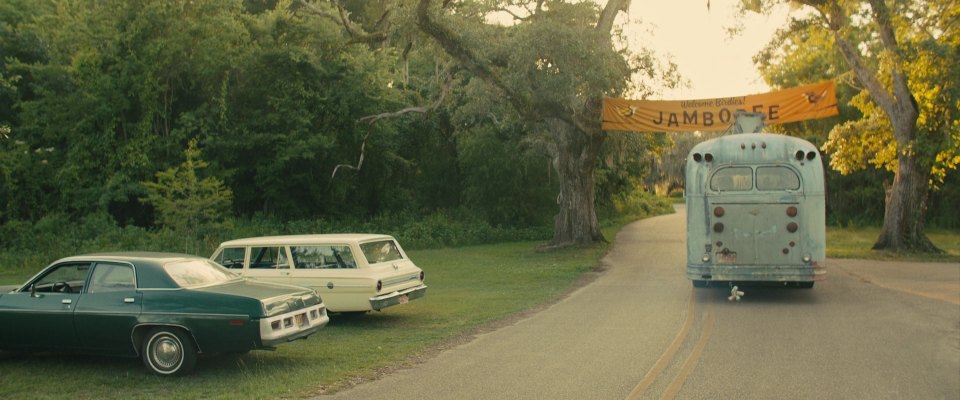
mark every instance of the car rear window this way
{"type": "Point", "coordinates": [193, 273]}
{"type": "Point", "coordinates": [381, 251]}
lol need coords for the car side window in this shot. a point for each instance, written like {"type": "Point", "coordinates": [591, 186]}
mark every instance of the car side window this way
{"type": "Point", "coordinates": [268, 258]}
{"type": "Point", "coordinates": [111, 278]}
{"type": "Point", "coordinates": [322, 257]}
{"type": "Point", "coordinates": [64, 278]}
{"type": "Point", "coordinates": [231, 257]}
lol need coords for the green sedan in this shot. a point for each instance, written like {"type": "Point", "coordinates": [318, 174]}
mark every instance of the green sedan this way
{"type": "Point", "coordinates": [165, 308]}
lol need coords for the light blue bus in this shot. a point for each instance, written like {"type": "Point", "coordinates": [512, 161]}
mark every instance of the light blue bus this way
{"type": "Point", "coordinates": [755, 211]}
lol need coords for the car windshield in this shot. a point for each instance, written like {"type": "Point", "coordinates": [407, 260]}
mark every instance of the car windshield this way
{"type": "Point", "coordinates": [380, 251]}
{"type": "Point", "coordinates": [193, 273]}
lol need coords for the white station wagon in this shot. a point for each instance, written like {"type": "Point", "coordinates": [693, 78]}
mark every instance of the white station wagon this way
{"type": "Point", "coordinates": [352, 272]}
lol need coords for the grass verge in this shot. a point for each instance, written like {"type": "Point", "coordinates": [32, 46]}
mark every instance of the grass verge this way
{"type": "Point", "coordinates": [469, 288]}
{"type": "Point", "coordinates": [857, 243]}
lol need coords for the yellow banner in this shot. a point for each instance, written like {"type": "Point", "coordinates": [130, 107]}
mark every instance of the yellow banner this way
{"type": "Point", "coordinates": [790, 105]}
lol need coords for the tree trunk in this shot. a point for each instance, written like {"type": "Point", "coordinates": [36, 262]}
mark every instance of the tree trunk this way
{"type": "Point", "coordinates": [905, 213]}
{"type": "Point", "coordinates": [576, 221]}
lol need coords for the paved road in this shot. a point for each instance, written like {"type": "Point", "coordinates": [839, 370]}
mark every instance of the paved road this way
{"type": "Point", "coordinates": [640, 331]}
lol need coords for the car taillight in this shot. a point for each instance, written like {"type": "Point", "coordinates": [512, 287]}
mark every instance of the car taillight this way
{"type": "Point", "coordinates": [379, 286]}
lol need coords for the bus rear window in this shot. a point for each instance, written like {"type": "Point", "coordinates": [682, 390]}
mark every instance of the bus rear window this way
{"type": "Point", "coordinates": [732, 179]}
{"type": "Point", "coordinates": [777, 178]}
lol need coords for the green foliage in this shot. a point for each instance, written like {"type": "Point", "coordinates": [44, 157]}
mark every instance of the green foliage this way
{"type": "Point", "coordinates": [184, 202]}
{"type": "Point", "coordinates": [861, 138]}
{"type": "Point", "coordinates": [96, 97]}
{"type": "Point", "coordinates": [509, 181]}
{"type": "Point", "coordinates": [635, 204]}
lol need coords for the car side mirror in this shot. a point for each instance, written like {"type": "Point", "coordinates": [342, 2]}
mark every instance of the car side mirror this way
{"type": "Point", "coordinates": [33, 290]}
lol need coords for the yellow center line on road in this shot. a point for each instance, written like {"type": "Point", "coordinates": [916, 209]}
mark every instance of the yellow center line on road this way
{"type": "Point", "coordinates": [668, 355]}
{"type": "Point", "coordinates": [691, 361]}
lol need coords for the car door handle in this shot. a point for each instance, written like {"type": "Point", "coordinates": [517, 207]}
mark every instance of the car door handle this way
{"type": "Point", "coordinates": [66, 301]}
{"type": "Point", "coordinates": [128, 300]}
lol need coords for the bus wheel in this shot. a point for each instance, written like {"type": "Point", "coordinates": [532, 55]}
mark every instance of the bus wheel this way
{"type": "Point", "coordinates": [700, 284]}
{"type": "Point", "coordinates": [805, 285]}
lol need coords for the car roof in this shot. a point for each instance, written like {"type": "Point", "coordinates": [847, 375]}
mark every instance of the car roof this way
{"type": "Point", "coordinates": [307, 239]}
{"type": "Point", "coordinates": [148, 257]}
{"type": "Point", "coordinates": [150, 271]}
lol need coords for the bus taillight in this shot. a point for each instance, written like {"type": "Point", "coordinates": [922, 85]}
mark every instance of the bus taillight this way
{"type": "Point", "coordinates": [791, 211]}
{"type": "Point", "coordinates": [718, 227]}
{"type": "Point", "coordinates": [792, 227]}
{"type": "Point", "coordinates": [799, 155]}
{"type": "Point", "coordinates": [718, 212]}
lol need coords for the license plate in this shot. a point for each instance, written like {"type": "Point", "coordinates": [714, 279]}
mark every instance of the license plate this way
{"type": "Point", "coordinates": [728, 258]}
{"type": "Point", "coordinates": [404, 299]}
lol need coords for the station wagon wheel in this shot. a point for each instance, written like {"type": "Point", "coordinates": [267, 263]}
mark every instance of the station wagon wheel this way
{"type": "Point", "coordinates": [169, 351]}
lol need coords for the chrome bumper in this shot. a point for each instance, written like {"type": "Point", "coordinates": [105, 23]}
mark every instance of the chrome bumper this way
{"type": "Point", "coordinates": [293, 325]}
{"type": "Point", "coordinates": [399, 297]}
{"type": "Point", "coordinates": [728, 273]}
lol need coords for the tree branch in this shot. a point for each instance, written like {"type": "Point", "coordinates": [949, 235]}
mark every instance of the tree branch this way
{"type": "Point", "coordinates": [900, 88]}
{"type": "Point", "coordinates": [836, 19]}
{"type": "Point", "coordinates": [372, 119]}
{"type": "Point", "coordinates": [356, 35]}
{"type": "Point", "coordinates": [609, 15]}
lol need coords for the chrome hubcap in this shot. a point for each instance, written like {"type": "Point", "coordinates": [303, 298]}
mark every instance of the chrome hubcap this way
{"type": "Point", "coordinates": [167, 352]}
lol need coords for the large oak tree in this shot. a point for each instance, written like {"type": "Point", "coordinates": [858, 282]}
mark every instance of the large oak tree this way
{"type": "Point", "coordinates": [558, 63]}
{"type": "Point", "coordinates": [892, 49]}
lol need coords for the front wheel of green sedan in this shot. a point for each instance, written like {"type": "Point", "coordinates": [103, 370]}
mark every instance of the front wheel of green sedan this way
{"type": "Point", "coordinates": [169, 351]}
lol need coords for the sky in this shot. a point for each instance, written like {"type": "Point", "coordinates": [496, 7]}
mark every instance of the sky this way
{"type": "Point", "coordinates": [696, 38]}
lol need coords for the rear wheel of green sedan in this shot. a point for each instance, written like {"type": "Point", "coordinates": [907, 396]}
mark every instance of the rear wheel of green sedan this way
{"type": "Point", "coordinates": [169, 351]}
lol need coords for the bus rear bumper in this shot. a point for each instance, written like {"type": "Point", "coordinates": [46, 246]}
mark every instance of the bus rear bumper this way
{"type": "Point", "coordinates": [766, 273]}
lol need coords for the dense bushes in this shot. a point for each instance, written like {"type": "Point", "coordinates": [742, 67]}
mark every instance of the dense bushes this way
{"type": "Point", "coordinates": [25, 246]}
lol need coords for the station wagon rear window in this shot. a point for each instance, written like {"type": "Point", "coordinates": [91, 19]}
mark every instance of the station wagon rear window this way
{"type": "Point", "coordinates": [195, 273]}
{"type": "Point", "coordinates": [380, 251]}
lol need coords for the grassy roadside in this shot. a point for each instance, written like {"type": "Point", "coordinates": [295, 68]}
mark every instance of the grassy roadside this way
{"type": "Point", "coordinates": [469, 288]}
{"type": "Point", "coordinates": [857, 243]}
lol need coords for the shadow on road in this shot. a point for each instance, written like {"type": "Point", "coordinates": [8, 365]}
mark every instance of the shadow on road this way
{"type": "Point", "coordinates": [758, 294]}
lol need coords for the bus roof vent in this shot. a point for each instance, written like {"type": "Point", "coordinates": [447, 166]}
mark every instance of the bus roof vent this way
{"type": "Point", "coordinates": [747, 122]}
